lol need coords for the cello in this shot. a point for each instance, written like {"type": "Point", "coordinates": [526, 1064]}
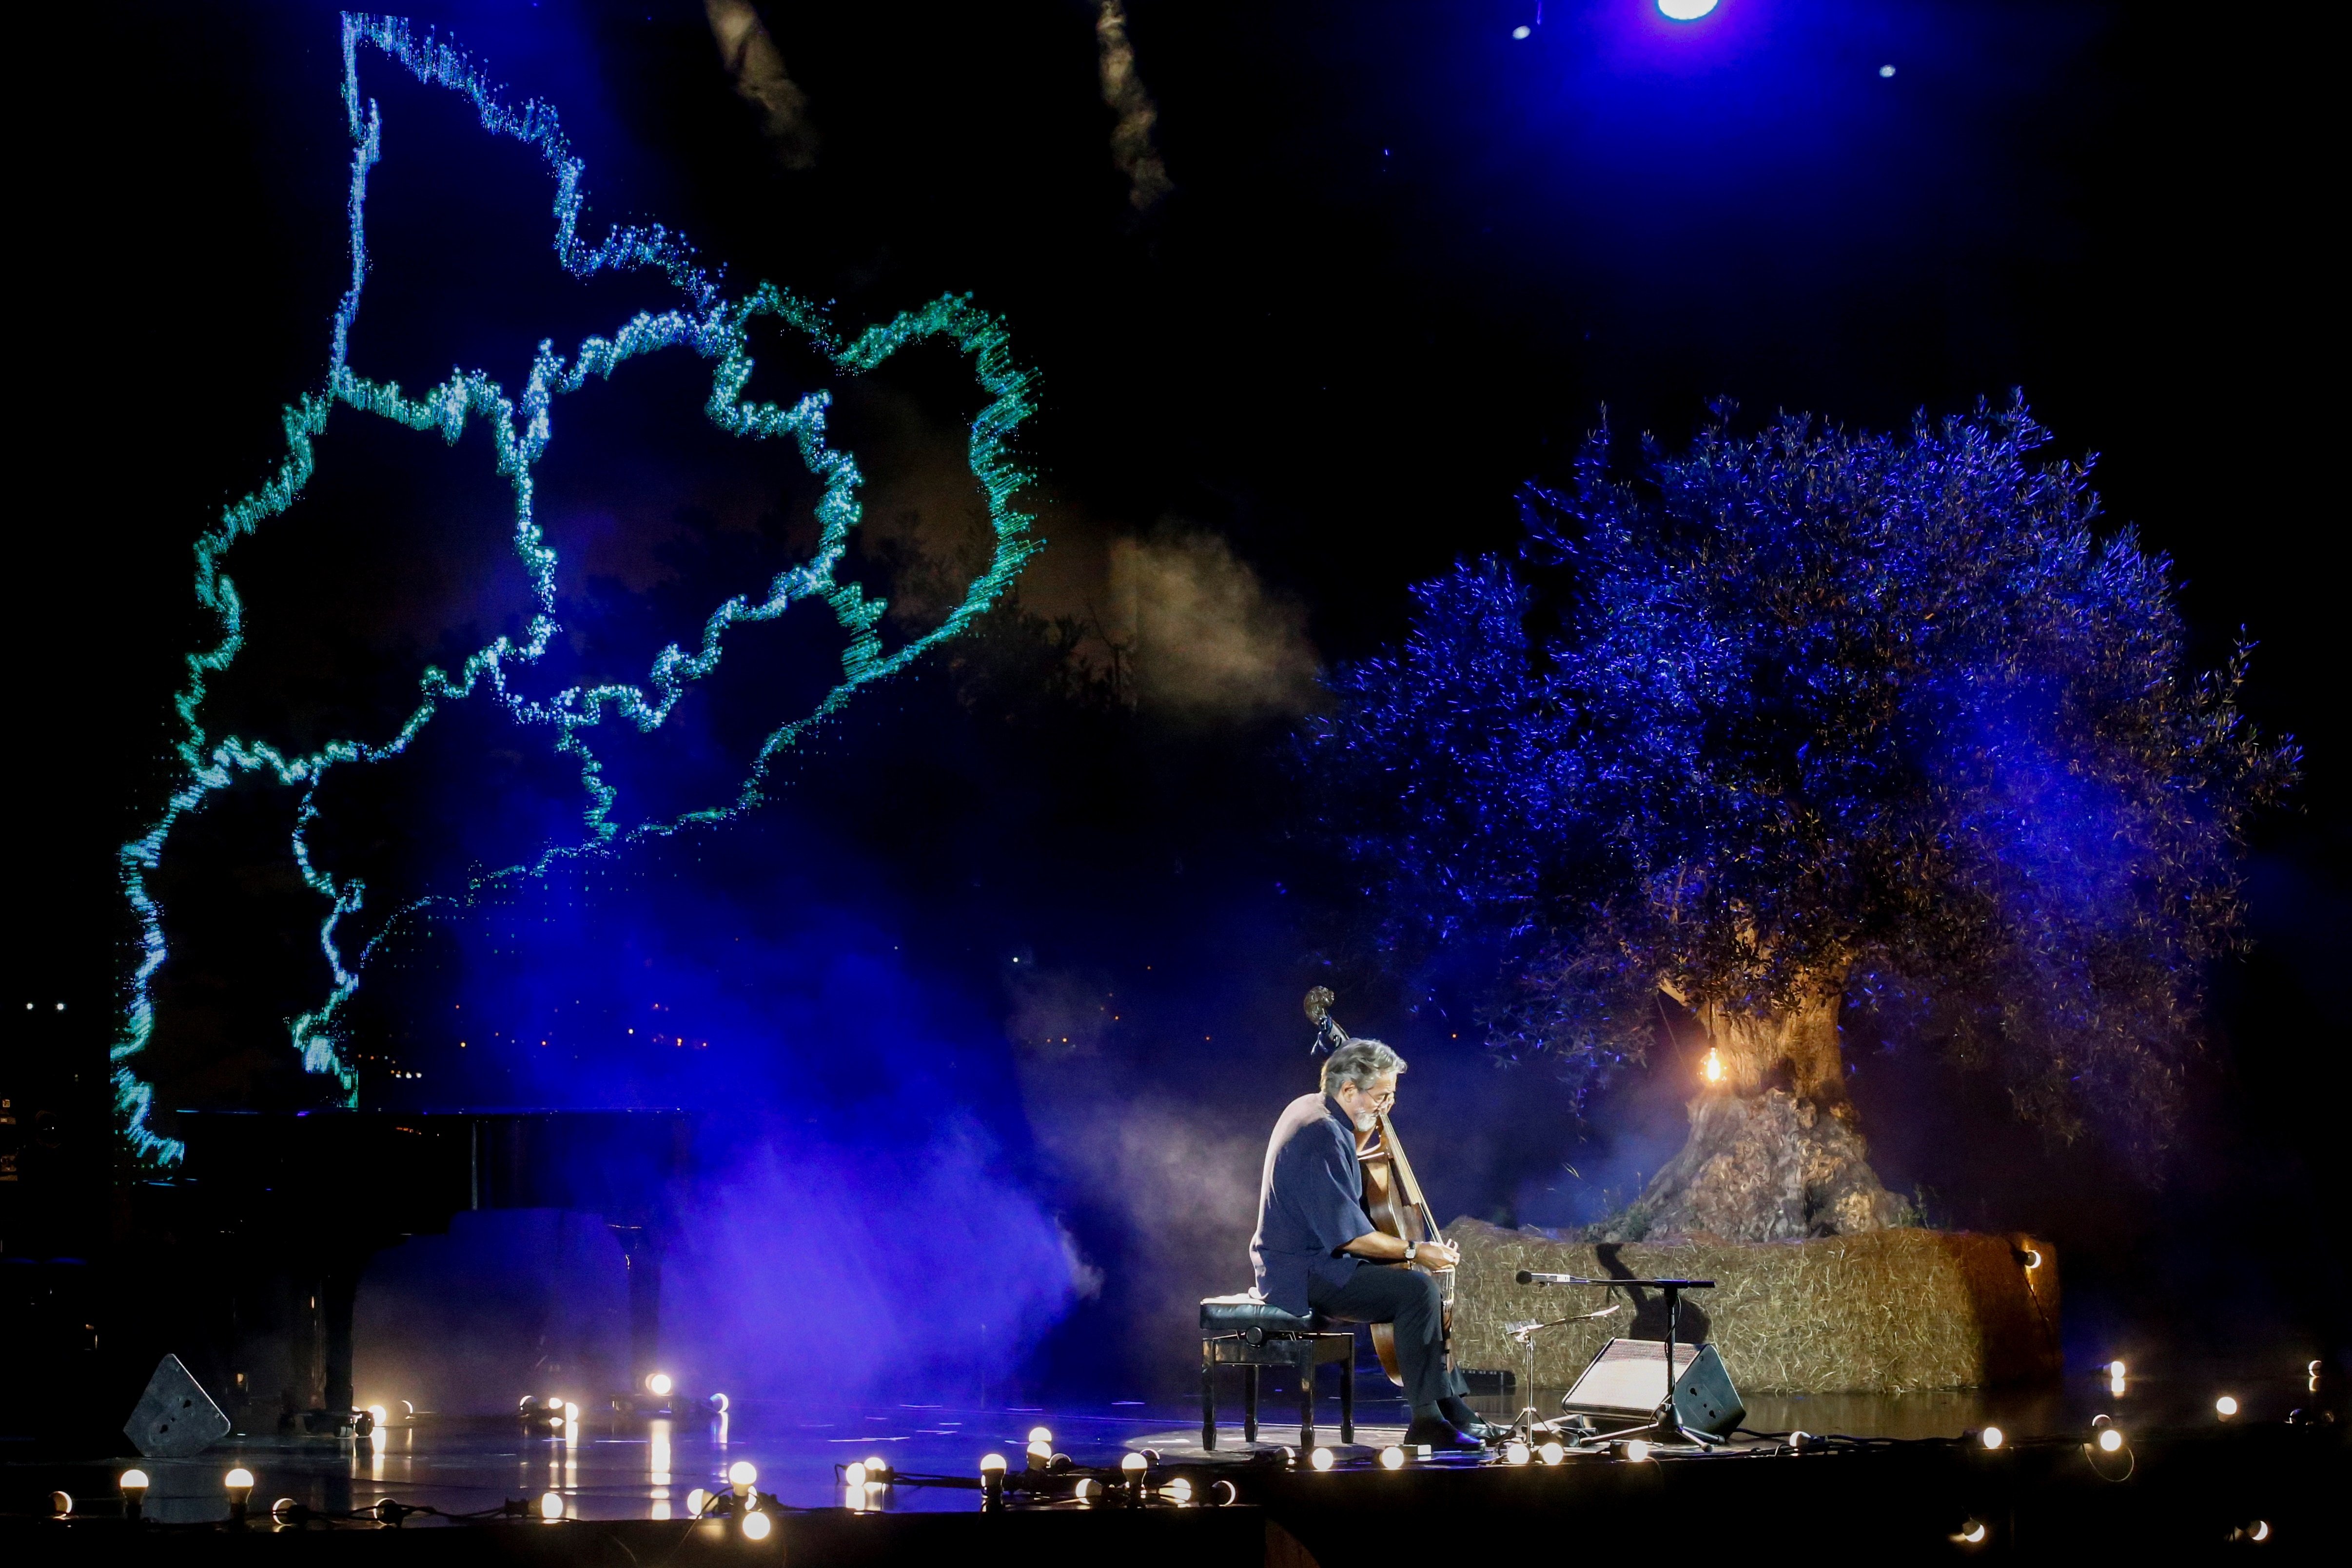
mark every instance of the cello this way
{"type": "Point", "coordinates": [1392, 1196]}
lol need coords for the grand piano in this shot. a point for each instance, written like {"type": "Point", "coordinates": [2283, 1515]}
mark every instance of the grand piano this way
{"type": "Point", "coordinates": [252, 1249]}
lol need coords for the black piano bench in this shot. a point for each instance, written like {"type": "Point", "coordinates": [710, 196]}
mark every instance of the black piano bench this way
{"type": "Point", "coordinates": [1244, 1331]}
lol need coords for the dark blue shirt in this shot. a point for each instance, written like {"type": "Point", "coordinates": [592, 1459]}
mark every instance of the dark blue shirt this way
{"type": "Point", "coordinates": [1310, 1202]}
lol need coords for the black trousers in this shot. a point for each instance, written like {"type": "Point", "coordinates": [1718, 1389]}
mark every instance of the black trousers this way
{"type": "Point", "coordinates": [1408, 1298]}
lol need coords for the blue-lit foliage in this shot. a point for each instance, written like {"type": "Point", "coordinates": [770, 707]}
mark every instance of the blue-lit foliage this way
{"type": "Point", "coordinates": [1810, 715]}
{"type": "Point", "coordinates": [522, 423]}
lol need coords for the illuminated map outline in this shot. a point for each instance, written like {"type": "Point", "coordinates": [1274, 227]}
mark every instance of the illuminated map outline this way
{"type": "Point", "coordinates": [714, 326]}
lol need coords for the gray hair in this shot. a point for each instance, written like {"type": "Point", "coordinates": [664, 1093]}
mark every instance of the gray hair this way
{"type": "Point", "coordinates": [1359, 1062]}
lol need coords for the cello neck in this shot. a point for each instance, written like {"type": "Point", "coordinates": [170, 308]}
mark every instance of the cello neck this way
{"type": "Point", "coordinates": [1407, 1183]}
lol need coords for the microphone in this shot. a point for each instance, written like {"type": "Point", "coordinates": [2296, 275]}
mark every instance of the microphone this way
{"type": "Point", "coordinates": [1527, 1278]}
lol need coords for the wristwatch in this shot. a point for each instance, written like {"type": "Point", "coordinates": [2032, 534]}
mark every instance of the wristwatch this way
{"type": "Point", "coordinates": [1409, 1248]}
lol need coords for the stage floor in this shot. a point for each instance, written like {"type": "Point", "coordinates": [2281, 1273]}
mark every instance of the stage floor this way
{"type": "Point", "coordinates": [616, 1467]}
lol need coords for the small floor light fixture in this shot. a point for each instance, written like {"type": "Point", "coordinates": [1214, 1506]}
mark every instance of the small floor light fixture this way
{"type": "Point", "coordinates": [2226, 1406]}
{"type": "Point", "coordinates": [61, 1503]}
{"type": "Point", "coordinates": [756, 1526]}
{"type": "Point", "coordinates": [551, 1505]}
{"type": "Point", "coordinates": [991, 1481]}
{"type": "Point", "coordinates": [1991, 1437]}
{"type": "Point", "coordinates": [1322, 1459]}
{"type": "Point", "coordinates": [238, 1484]}
{"type": "Point", "coordinates": [133, 1487]}
{"type": "Point", "coordinates": [1392, 1457]}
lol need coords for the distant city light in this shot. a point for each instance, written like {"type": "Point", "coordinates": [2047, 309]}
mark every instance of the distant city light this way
{"type": "Point", "coordinates": [1685, 10]}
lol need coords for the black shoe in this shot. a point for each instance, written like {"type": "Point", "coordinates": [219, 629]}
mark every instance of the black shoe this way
{"type": "Point", "coordinates": [1440, 1436]}
{"type": "Point", "coordinates": [1455, 1409]}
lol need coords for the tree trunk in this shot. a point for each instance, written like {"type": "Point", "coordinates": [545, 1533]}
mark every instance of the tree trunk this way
{"type": "Point", "coordinates": [1772, 1153]}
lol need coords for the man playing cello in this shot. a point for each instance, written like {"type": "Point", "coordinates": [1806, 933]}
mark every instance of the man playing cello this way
{"type": "Point", "coordinates": [1314, 1237]}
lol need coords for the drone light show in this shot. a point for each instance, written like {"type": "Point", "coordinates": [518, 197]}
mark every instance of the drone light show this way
{"type": "Point", "coordinates": [523, 426]}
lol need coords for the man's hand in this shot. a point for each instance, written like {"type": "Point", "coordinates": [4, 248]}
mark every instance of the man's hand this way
{"type": "Point", "coordinates": [1382, 1247]}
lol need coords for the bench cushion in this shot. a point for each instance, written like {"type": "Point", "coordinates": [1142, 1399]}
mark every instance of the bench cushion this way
{"type": "Point", "coordinates": [1241, 1312]}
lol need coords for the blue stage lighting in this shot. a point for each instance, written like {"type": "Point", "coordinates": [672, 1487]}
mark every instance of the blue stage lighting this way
{"type": "Point", "coordinates": [1685, 10]}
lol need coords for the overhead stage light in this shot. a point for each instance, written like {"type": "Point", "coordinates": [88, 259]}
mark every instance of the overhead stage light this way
{"type": "Point", "coordinates": [1685, 10]}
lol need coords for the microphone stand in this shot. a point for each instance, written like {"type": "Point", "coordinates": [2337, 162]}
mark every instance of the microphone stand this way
{"type": "Point", "coordinates": [1526, 1334]}
{"type": "Point", "coordinates": [1664, 1421]}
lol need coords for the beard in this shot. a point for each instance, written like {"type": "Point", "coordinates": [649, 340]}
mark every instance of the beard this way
{"type": "Point", "coordinates": [1367, 1121]}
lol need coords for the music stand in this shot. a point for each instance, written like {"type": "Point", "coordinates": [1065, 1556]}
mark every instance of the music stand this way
{"type": "Point", "coordinates": [1665, 1422]}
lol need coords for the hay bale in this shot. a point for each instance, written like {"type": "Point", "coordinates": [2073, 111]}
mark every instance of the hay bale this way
{"type": "Point", "coordinates": [1882, 1311]}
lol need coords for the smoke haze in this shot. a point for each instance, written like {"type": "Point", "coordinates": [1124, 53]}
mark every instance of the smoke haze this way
{"type": "Point", "coordinates": [752, 60]}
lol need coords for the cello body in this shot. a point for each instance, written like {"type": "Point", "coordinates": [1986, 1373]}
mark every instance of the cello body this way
{"type": "Point", "coordinates": [1393, 1203]}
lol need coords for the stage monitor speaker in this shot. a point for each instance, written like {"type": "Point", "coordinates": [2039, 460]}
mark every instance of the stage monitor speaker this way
{"type": "Point", "coordinates": [175, 1418]}
{"type": "Point", "coordinates": [1628, 1380]}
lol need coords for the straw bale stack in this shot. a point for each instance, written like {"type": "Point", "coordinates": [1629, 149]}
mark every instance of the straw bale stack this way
{"type": "Point", "coordinates": [1885, 1310]}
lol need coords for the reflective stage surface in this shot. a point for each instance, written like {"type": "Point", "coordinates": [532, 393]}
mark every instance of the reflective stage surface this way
{"type": "Point", "coordinates": [621, 1467]}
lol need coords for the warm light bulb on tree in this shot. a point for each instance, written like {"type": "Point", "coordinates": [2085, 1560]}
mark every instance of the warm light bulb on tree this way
{"type": "Point", "coordinates": [1712, 1069]}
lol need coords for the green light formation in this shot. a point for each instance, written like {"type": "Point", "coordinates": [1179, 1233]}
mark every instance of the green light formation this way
{"type": "Point", "coordinates": [521, 427]}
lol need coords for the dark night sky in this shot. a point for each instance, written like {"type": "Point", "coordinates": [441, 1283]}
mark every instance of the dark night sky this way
{"type": "Point", "coordinates": [1405, 262]}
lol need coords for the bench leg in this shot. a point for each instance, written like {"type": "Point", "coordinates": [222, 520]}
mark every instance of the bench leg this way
{"type": "Point", "coordinates": [1306, 1399]}
{"type": "Point", "coordinates": [1348, 1395]}
{"type": "Point", "coordinates": [1249, 1405]}
{"type": "Point", "coordinates": [1208, 1401]}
